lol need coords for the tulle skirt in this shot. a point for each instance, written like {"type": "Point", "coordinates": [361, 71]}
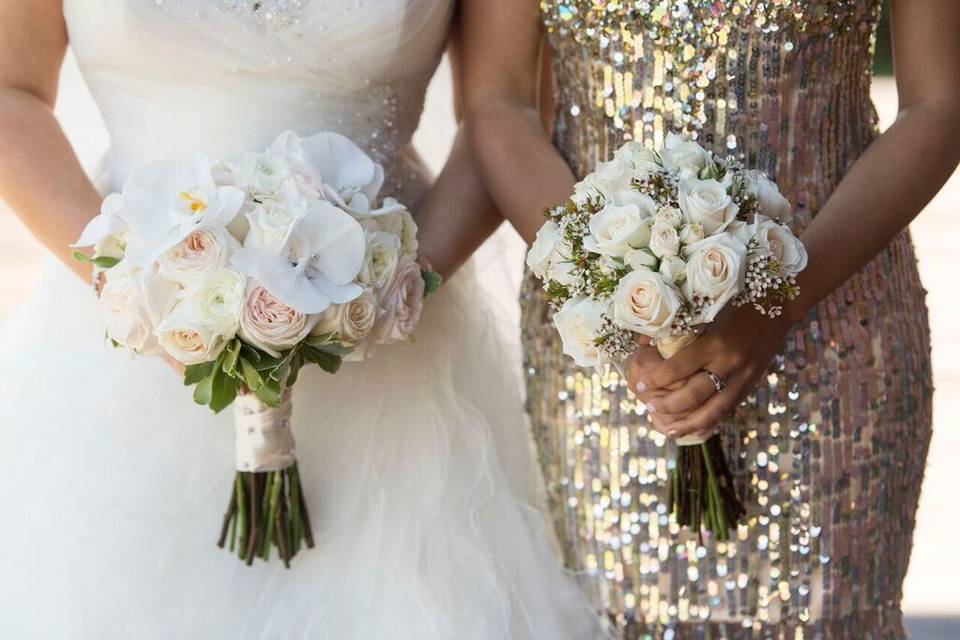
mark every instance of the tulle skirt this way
{"type": "Point", "coordinates": [417, 468]}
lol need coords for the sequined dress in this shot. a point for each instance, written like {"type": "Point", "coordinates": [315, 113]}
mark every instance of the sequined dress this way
{"type": "Point", "coordinates": [829, 448]}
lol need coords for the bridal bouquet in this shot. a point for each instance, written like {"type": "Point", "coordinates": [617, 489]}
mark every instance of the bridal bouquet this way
{"type": "Point", "coordinates": [657, 244]}
{"type": "Point", "coordinates": [246, 270]}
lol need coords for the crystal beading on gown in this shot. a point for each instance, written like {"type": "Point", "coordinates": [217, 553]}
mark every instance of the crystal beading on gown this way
{"type": "Point", "coordinates": [829, 448]}
{"type": "Point", "coordinates": [417, 464]}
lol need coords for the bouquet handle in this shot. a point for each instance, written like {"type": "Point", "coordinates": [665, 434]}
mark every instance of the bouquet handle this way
{"type": "Point", "coordinates": [702, 491]}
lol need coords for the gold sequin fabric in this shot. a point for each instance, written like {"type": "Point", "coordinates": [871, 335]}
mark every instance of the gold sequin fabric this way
{"type": "Point", "coordinates": [829, 448]}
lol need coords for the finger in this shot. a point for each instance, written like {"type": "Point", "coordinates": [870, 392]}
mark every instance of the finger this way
{"type": "Point", "coordinates": [682, 365]}
{"type": "Point", "coordinates": [690, 396]}
{"type": "Point", "coordinates": [643, 360]}
{"type": "Point", "coordinates": [707, 416]}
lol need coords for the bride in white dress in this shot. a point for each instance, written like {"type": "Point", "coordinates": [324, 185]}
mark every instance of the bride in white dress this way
{"type": "Point", "coordinates": [416, 463]}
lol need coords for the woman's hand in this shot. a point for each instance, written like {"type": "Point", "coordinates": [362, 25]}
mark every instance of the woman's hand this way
{"type": "Point", "coordinates": [680, 396]}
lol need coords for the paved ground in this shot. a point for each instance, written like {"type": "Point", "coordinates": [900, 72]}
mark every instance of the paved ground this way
{"type": "Point", "coordinates": [930, 589]}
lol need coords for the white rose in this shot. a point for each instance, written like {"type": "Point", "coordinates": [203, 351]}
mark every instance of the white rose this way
{"type": "Point", "coordinates": [201, 325]}
{"type": "Point", "coordinates": [261, 175]}
{"type": "Point", "coordinates": [684, 155]}
{"type": "Point", "coordinates": [543, 251]}
{"type": "Point", "coordinates": [742, 231]}
{"type": "Point", "coordinates": [614, 230]}
{"type": "Point", "coordinates": [670, 216]}
{"type": "Point", "coordinates": [352, 321]}
{"type": "Point", "coordinates": [111, 246]}
{"type": "Point", "coordinates": [772, 203]}
{"type": "Point", "coordinates": [708, 203]}
{"type": "Point", "coordinates": [642, 160]}
{"type": "Point", "coordinates": [579, 322]}
{"type": "Point", "coordinates": [715, 270]}
{"type": "Point", "coordinates": [198, 255]}
{"type": "Point", "coordinates": [664, 240]}
{"type": "Point", "coordinates": [640, 259]}
{"type": "Point", "coordinates": [674, 269]}
{"type": "Point", "coordinates": [401, 224]}
{"type": "Point", "coordinates": [270, 325]}
{"type": "Point", "coordinates": [612, 177]}
{"type": "Point", "coordinates": [380, 261]}
{"type": "Point", "coordinates": [563, 271]}
{"type": "Point", "coordinates": [270, 223]}
{"type": "Point", "coordinates": [690, 233]}
{"type": "Point", "coordinates": [778, 240]}
{"type": "Point", "coordinates": [133, 303]}
{"type": "Point", "coordinates": [644, 302]}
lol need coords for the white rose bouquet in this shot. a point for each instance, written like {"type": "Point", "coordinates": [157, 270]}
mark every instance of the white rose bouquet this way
{"type": "Point", "coordinates": [656, 244]}
{"type": "Point", "coordinates": [246, 270]}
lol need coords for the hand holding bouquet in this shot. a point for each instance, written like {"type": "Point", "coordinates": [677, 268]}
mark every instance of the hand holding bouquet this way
{"type": "Point", "coordinates": [656, 244]}
{"type": "Point", "coordinates": [246, 270]}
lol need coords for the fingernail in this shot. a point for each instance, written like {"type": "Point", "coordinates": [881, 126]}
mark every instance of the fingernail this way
{"type": "Point", "coordinates": [651, 408]}
{"type": "Point", "coordinates": [641, 387]}
{"type": "Point", "coordinates": [672, 434]}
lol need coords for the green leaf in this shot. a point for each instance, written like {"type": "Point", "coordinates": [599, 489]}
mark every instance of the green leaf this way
{"type": "Point", "coordinates": [269, 393]}
{"type": "Point", "coordinates": [81, 256]}
{"type": "Point", "coordinates": [106, 262]}
{"type": "Point", "coordinates": [335, 349]}
{"type": "Point", "coordinates": [294, 370]}
{"type": "Point", "coordinates": [224, 391]}
{"type": "Point", "coordinates": [194, 373]}
{"type": "Point", "coordinates": [250, 353]}
{"type": "Point", "coordinates": [203, 392]}
{"type": "Point", "coordinates": [232, 354]}
{"type": "Point", "coordinates": [251, 376]}
{"type": "Point", "coordinates": [326, 361]}
{"type": "Point", "coordinates": [431, 282]}
{"type": "Point", "coordinates": [320, 340]}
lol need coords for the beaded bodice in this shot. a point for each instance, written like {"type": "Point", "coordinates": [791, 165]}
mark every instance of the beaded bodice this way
{"type": "Point", "coordinates": [782, 84]}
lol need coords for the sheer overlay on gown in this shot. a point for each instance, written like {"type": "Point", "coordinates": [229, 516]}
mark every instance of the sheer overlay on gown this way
{"type": "Point", "coordinates": [417, 463]}
{"type": "Point", "coordinates": [829, 448]}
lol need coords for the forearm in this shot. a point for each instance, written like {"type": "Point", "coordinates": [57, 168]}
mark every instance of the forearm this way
{"type": "Point", "coordinates": [887, 187]}
{"type": "Point", "coordinates": [40, 176]}
{"type": "Point", "coordinates": [519, 164]}
{"type": "Point", "coordinates": [457, 215]}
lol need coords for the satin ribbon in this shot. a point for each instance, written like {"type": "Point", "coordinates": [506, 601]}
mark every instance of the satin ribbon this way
{"type": "Point", "coordinates": [264, 440]}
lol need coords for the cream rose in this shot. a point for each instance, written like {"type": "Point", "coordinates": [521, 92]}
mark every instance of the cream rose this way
{"type": "Point", "coordinates": [708, 203]}
{"type": "Point", "coordinates": [690, 233]}
{"type": "Point", "coordinates": [640, 159]}
{"type": "Point", "coordinates": [133, 304]}
{"type": "Point", "coordinates": [380, 261]}
{"type": "Point", "coordinates": [270, 223]}
{"type": "Point", "coordinates": [209, 317]}
{"type": "Point", "coordinates": [270, 325]}
{"type": "Point", "coordinates": [402, 303]}
{"type": "Point", "coordinates": [614, 230]}
{"type": "Point", "coordinates": [640, 259]}
{"type": "Point", "coordinates": [684, 155]}
{"type": "Point", "coordinates": [664, 240]}
{"type": "Point", "coordinates": [669, 216]}
{"type": "Point", "coordinates": [674, 269]}
{"type": "Point", "coordinates": [781, 244]}
{"type": "Point", "coordinates": [579, 322]}
{"type": "Point", "coordinates": [644, 302]}
{"type": "Point", "coordinates": [351, 322]}
{"type": "Point", "coordinates": [199, 254]}
{"type": "Point", "coordinates": [543, 251]}
{"type": "Point", "coordinates": [715, 270]}
{"type": "Point", "coordinates": [772, 203]}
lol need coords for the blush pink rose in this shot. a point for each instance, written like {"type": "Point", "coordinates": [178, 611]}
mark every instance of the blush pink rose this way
{"type": "Point", "coordinates": [270, 325]}
{"type": "Point", "coordinates": [402, 302]}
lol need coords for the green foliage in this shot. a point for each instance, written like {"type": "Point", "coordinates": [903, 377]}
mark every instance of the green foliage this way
{"type": "Point", "coordinates": [431, 282]}
{"type": "Point", "coordinates": [104, 262]}
{"type": "Point", "coordinates": [241, 368]}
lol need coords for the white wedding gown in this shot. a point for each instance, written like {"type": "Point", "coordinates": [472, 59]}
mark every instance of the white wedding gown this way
{"type": "Point", "coordinates": [417, 465]}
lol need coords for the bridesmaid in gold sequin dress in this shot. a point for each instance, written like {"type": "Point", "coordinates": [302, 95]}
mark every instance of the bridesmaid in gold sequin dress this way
{"type": "Point", "coordinates": [830, 436]}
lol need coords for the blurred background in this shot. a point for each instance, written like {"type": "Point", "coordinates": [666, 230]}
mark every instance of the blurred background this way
{"type": "Point", "coordinates": [932, 594]}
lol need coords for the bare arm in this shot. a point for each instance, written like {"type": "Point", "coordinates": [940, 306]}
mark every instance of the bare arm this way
{"type": "Point", "coordinates": [886, 188]}
{"type": "Point", "coordinates": [40, 176]}
{"type": "Point", "coordinates": [458, 214]}
{"type": "Point", "coordinates": [523, 170]}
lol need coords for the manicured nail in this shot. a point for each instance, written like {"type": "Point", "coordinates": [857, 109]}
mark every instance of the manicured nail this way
{"type": "Point", "coordinates": [651, 408]}
{"type": "Point", "coordinates": [641, 387]}
{"type": "Point", "coordinates": [673, 434]}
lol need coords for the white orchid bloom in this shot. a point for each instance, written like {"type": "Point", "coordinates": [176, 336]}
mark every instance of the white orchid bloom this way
{"type": "Point", "coordinates": [165, 202]}
{"type": "Point", "coordinates": [345, 175]}
{"type": "Point", "coordinates": [317, 264]}
{"type": "Point", "coordinates": [109, 223]}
